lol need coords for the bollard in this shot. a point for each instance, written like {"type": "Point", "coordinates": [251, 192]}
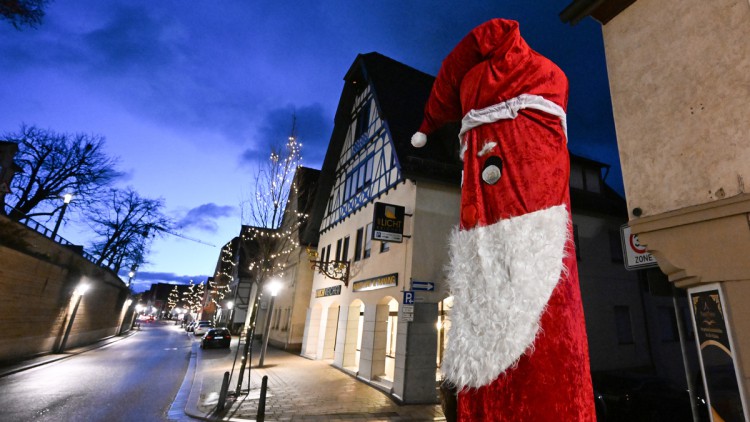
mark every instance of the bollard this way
{"type": "Point", "coordinates": [223, 392]}
{"type": "Point", "coordinates": [262, 401]}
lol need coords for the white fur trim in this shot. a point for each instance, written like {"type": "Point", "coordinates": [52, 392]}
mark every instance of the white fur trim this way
{"type": "Point", "coordinates": [418, 140]}
{"type": "Point", "coordinates": [509, 110]}
{"type": "Point", "coordinates": [501, 277]}
{"type": "Point", "coordinates": [486, 148]}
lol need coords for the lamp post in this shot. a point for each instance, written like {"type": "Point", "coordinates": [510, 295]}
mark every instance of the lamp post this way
{"type": "Point", "coordinates": [230, 318]}
{"type": "Point", "coordinates": [274, 287]}
{"type": "Point", "coordinates": [79, 291]}
{"type": "Point", "coordinates": [66, 200]}
{"type": "Point", "coordinates": [131, 274]}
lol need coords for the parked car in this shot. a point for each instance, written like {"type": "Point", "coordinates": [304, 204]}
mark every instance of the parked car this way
{"type": "Point", "coordinates": [202, 327]}
{"type": "Point", "coordinates": [190, 325]}
{"type": "Point", "coordinates": [635, 397]}
{"type": "Point", "coordinates": [216, 337]}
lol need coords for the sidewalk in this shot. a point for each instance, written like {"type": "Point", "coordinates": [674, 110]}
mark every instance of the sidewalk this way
{"type": "Point", "coordinates": [299, 389]}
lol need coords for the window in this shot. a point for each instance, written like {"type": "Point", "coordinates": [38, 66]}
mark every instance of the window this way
{"type": "Point", "coordinates": [385, 246]}
{"type": "Point", "coordinates": [575, 240]}
{"type": "Point", "coordinates": [585, 178]}
{"type": "Point", "coordinates": [328, 253]}
{"type": "Point", "coordinates": [359, 177]}
{"type": "Point", "coordinates": [368, 241]}
{"type": "Point", "coordinates": [591, 177]}
{"type": "Point", "coordinates": [358, 245]}
{"type": "Point", "coordinates": [345, 252]}
{"type": "Point", "coordinates": [363, 120]}
{"type": "Point", "coordinates": [615, 246]}
{"type": "Point", "coordinates": [623, 325]}
{"type": "Point", "coordinates": [338, 249]}
{"type": "Point", "coordinates": [576, 176]}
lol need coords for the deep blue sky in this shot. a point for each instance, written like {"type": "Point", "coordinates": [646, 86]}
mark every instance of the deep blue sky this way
{"type": "Point", "coordinates": [189, 94]}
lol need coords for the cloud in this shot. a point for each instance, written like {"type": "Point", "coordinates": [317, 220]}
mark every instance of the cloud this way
{"type": "Point", "coordinates": [203, 217]}
{"type": "Point", "coordinates": [312, 126]}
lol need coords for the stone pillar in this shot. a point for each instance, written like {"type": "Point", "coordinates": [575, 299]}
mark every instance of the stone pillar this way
{"type": "Point", "coordinates": [366, 363]}
{"type": "Point", "coordinates": [416, 356]}
{"type": "Point", "coordinates": [311, 334]}
{"type": "Point", "coordinates": [331, 328]}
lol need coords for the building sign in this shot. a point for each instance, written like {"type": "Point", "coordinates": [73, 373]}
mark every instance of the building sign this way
{"type": "Point", "coordinates": [407, 313]}
{"type": "Point", "coordinates": [716, 353]}
{"type": "Point", "coordinates": [328, 291]}
{"type": "Point", "coordinates": [634, 254]}
{"type": "Point", "coordinates": [388, 222]}
{"type": "Point", "coordinates": [375, 283]}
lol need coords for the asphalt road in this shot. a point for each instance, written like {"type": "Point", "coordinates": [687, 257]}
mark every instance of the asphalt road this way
{"type": "Point", "coordinates": [134, 379]}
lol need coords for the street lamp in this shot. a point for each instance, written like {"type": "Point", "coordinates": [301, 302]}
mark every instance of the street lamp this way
{"type": "Point", "coordinates": [131, 274]}
{"type": "Point", "coordinates": [66, 200]}
{"type": "Point", "coordinates": [230, 317]}
{"type": "Point", "coordinates": [79, 291]}
{"type": "Point", "coordinates": [274, 286]}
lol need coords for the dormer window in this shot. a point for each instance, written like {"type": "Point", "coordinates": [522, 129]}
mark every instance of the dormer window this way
{"type": "Point", "coordinates": [585, 178]}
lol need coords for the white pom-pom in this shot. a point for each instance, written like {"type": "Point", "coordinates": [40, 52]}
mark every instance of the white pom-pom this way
{"type": "Point", "coordinates": [418, 140]}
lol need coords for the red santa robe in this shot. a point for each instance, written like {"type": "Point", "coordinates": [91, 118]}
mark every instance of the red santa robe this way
{"type": "Point", "coordinates": [517, 348]}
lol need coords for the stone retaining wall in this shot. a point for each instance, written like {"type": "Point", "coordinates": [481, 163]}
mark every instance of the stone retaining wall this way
{"type": "Point", "coordinates": [38, 278]}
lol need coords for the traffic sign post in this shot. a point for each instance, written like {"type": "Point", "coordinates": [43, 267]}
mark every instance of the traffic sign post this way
{"type": "Point", "coordinates": [635, 255]}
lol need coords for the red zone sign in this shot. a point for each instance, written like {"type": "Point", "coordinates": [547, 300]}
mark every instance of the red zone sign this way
{"type": "Point", "coordinates": [635, 255]}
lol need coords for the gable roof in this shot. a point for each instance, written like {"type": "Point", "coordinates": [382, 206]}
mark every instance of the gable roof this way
{"type": "Point", "coordinates": [400, 92]}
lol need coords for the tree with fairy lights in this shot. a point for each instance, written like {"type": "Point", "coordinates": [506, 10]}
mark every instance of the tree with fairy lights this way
{"type": "Point", "coordinates": [172, 299]}
{"type": "Point", "coordinates": [271, 222]}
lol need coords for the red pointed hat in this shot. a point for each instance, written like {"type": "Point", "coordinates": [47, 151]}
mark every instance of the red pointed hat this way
{"type": "Point", "coordinates": [491, 65]}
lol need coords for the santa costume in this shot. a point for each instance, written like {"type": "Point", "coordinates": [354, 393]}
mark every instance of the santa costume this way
{"type": "Point", "coordinates": [517, 348]}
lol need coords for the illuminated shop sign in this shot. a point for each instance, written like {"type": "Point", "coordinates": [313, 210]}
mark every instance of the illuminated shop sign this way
{"type": "Point", "coordinates": [328, 291]}
{"type": "Point", "coordinates": [381, 282]}
{"type": "Point", "coordinates": [388, 222]}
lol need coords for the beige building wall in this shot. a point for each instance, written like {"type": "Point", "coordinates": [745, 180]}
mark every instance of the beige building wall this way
{"type": "Point", "coordinates": [333, 321]}
{"type": "Point", "coordinates": [679, 75]}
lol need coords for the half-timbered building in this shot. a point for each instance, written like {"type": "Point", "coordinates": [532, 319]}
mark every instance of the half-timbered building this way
{"type": "Point", "coordinates": [356, 316]}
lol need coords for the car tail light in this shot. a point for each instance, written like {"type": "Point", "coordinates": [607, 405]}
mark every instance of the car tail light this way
{"type": "Point", "coordinates": [209, 337]}
{"type": "Point", "coordinates": [229, 337]}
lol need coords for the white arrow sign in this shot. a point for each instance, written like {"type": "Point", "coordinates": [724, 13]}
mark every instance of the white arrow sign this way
{"type": "Point", "coordinates": [422, 285]}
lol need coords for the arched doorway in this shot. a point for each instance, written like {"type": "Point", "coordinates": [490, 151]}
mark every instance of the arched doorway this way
{"type": "Point", "coordinates": [387, 327]}
{"type": "Point", "coordinates": [353, 336]}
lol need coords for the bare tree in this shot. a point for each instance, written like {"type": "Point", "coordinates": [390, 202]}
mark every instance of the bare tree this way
{"type": "Point", "coordinates": [123, 224]}
{"type": "Point", "coordinates": [54, 164]}
{"type": "Point", "coordinates": [23, 12]}
{"type": "Point", "coordinates": [269, 227]}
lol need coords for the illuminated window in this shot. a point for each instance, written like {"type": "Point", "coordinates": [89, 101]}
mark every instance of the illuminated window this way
{"type": "Point", "coordinates": [358, 245]}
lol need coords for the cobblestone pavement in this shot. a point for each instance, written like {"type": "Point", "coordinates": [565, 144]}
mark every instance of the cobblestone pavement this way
{"type": "Point", "coordinates": [299, 389]}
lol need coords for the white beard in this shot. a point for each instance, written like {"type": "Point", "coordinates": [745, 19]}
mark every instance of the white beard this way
{"type": "Point", "coordinates": [501, 277]}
